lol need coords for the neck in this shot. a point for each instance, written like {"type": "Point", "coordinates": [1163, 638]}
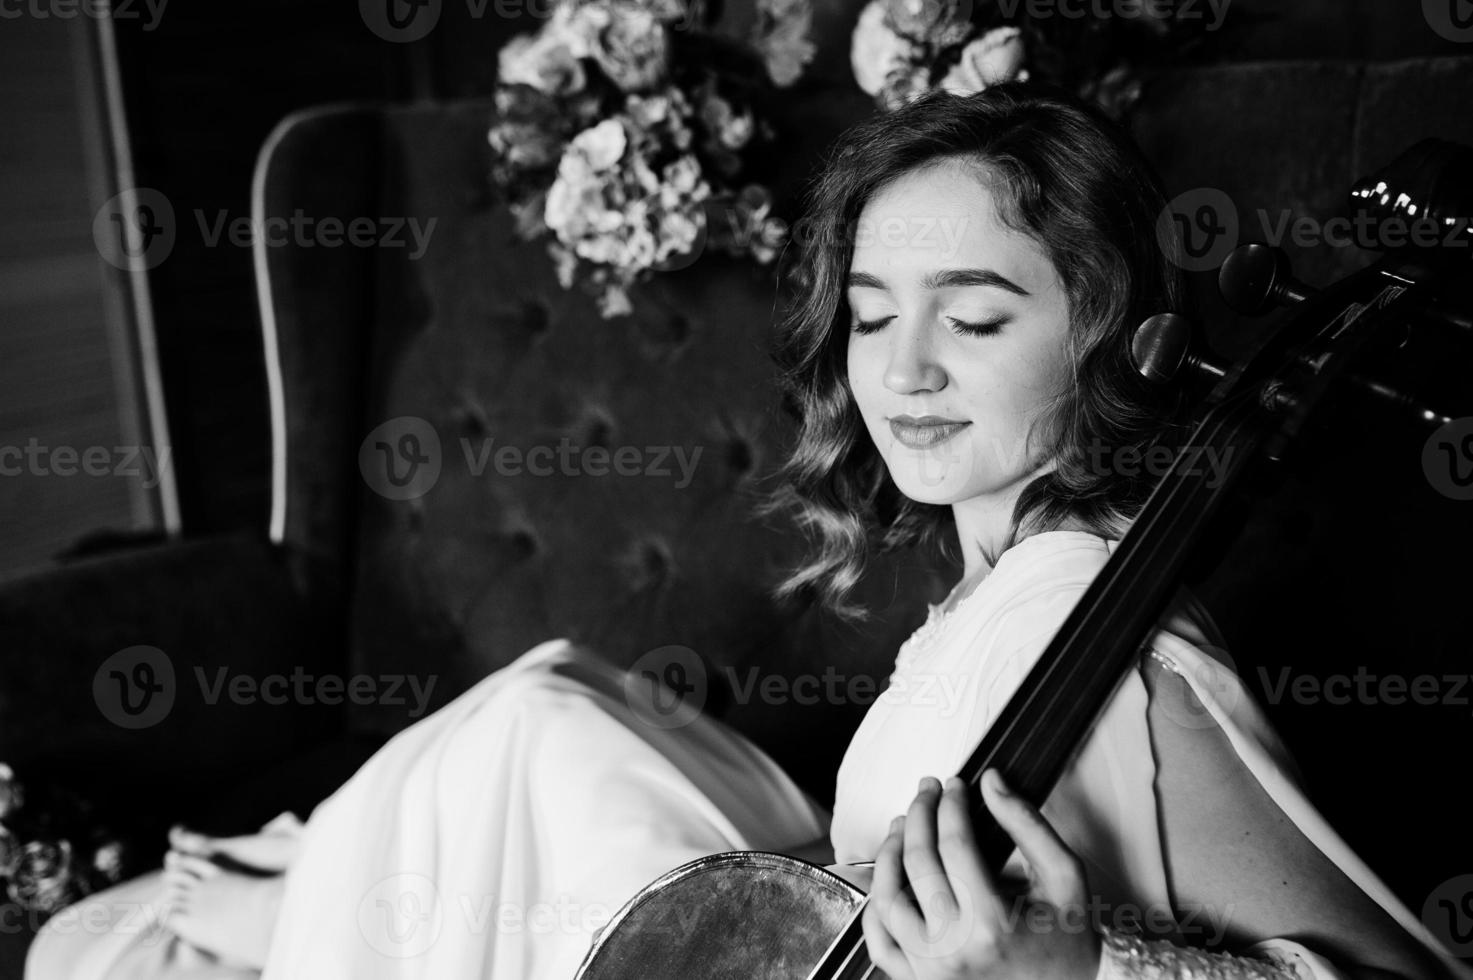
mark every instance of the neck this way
{"type": "Point", "coordinates": [983, 523]}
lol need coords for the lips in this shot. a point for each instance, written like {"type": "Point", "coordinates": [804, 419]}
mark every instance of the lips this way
{"type": "Point", "coordinates": [924, 432]}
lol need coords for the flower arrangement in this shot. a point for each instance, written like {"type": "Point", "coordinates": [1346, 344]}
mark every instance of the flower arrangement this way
{"type": "Point", "coordinates": [629, 133]}
{"type": "Point", "coordinates": [902, 48]}
{"type": "Point", "coordinates": [41, 867]}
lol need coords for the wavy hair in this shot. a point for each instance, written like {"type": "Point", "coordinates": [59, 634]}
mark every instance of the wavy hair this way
{"type": "Point", "coordinates": [1073, 181]}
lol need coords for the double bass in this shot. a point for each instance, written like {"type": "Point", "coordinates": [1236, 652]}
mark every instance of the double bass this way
{"type": "Point", "coordinates": [754, 915]}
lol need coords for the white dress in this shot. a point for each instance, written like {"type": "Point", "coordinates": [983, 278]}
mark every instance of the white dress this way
{"type": "Point", "coordinates": [492, 838]}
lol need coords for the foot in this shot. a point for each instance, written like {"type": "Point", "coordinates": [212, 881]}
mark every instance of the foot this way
{"type": "Point", "coordinates": [228, 913]}
{"type": "Point", "coordinates": [271, 850]}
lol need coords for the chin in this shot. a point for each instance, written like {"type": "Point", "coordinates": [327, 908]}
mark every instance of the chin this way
{"type": "Point", "coordinates": [928, 477]}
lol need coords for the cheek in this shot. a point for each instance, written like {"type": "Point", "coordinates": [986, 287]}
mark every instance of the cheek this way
{"type": "Point", "coordinates": [862, 376]}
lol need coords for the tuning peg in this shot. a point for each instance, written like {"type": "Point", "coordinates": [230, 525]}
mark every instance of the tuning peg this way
{"type": "Point", "coordinates": [1257, 277]}
{"type": "Point", "coordinates": [1163, 344]}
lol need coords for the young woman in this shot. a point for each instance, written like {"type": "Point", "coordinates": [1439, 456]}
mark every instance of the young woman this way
{"type": "Point", "coordinates": [970, 270]}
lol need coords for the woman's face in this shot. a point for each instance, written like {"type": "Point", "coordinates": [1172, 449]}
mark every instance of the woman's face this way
{"type": "Point", "coordinates": [958, 338]}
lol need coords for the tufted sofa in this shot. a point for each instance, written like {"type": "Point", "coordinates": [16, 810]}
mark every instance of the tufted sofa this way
{"type": "Point", "coordinates": [471, 346]}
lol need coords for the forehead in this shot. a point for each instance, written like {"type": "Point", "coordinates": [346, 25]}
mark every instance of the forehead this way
{"type": "Point", "coordinates": [943, 216]}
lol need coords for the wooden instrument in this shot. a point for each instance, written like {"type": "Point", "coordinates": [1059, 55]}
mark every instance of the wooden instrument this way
{"type": "Point", "coordinates": [752, 915]}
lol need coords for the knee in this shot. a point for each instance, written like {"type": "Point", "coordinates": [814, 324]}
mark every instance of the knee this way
{"type": "Point", "coordinates": [73, 943]}
{"type": "Point", "coordinates": [54, 952]}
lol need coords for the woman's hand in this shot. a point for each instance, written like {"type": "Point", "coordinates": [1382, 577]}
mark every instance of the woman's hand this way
{"type": "Point", "coordinates": [954, 923]}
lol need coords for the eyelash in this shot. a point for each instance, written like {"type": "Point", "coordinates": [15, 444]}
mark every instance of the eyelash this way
{"type": "Point", "coordinates": [962, 327]}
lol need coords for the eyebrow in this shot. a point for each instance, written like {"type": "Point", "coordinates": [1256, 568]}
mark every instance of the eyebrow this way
{"type": "Point", "coordinates": [943, 278]}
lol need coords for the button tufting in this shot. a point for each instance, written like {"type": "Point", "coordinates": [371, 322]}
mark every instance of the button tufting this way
{"type": "Point", "coordinates": [664, 340]}
{"type": "Point", "coordinates": [739, 455]}
{"type": "Point", "coordinates": [648, 564]}
{"type": "Point", "coordinates": [471, 418]}
{"type": "Point", "coordinates": [524, 543]}
{"type": "Point", "coordinates": [594, 426]}
{"type": "Point", "coordinates": [536, 317]}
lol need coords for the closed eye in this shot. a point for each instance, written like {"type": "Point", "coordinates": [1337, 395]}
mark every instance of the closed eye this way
{"type": "Point", "coordinates": [960, 326]}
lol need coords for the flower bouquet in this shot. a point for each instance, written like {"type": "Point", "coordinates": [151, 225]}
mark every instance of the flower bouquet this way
{"type": "Point", "coordinates": [631, 134]}
{"type": "Point", "coordinates": [48, 859]}
{"type": "Point", "coordinates": [902, 48]}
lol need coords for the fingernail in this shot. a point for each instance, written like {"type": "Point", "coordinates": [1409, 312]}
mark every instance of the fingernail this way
{"type": "Point", "coordinates": [956, 785]}
{"type": "Point", "coordinates": [896, 824]}
{"type": "Point", "coordinates": [927, 782]}
{"type": "Point", "coordinates": [997, 784]}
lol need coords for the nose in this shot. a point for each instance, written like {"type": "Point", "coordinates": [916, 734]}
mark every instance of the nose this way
{"type": "Point", "coordinates": [912, 366]}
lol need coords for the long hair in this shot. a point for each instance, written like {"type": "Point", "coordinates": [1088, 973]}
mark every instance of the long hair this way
{"type": "Point", "coordinates": [1068, 177]}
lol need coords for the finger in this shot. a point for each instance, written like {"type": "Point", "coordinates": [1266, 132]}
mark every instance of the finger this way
{"type": "Point", "coordinates": [973, 883]}
{"type": "Point", "coordinates": [883, 950]}
{"type": "Point", "coordinates": [1058, 871]}
{"type": "Point", "coordinates": [903, 920]}
{"type": "Point", "coordinates": [923, 868]}
{"type": "Point", "coordinates": [191, 864]}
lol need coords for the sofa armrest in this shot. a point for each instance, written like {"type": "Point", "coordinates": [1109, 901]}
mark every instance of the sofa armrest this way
{"type": "Point", "coordinates": [221, 614]}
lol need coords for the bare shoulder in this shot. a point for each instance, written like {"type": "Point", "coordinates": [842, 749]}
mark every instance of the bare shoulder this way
{"type": "Point", "coordinates": [1235, 857]}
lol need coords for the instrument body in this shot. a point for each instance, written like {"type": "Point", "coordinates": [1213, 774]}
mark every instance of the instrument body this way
{"type": "Point", "coordinates": [740, 915]}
